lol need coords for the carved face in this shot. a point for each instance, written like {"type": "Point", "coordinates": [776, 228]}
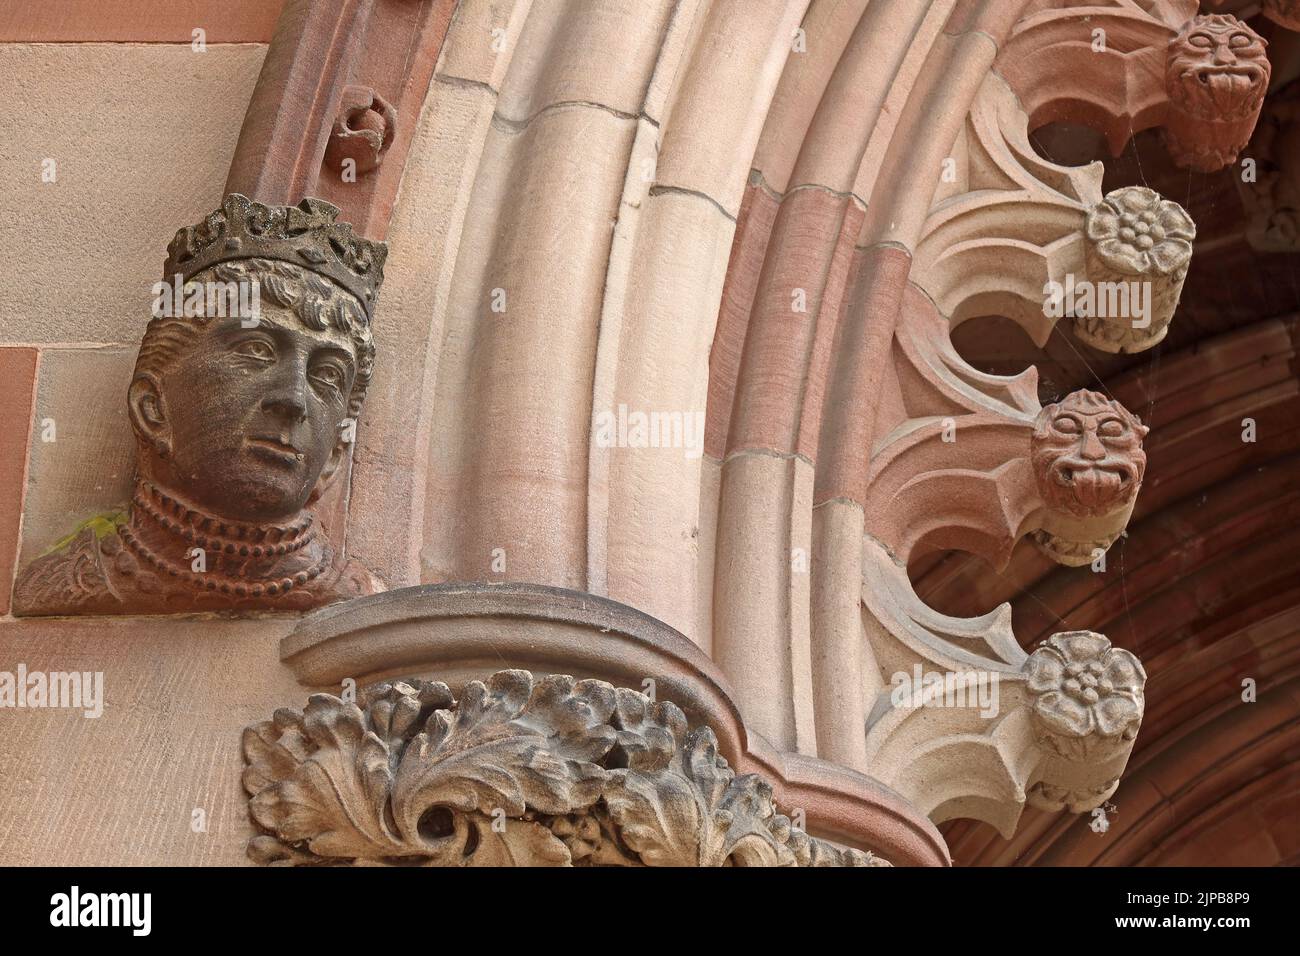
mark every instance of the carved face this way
{"type": "Point", "coordinates": [1087, 455]}
{"type": "Point", "coordinates": [1217, 68]}
{"type": "Point", "coordinates": [250, 417]}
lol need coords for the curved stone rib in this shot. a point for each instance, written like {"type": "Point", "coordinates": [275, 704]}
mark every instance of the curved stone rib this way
{"type": "Point", "coordinates": [1102, 65]}
{"type": "Point", "coordinates": [979, 482]}
{"type": "Point", "coordinates": [1036, 242]}
{"type": "Point", "coordinates": [936, 380]}
{"type": "Point", "coordinates": [1054, 728]}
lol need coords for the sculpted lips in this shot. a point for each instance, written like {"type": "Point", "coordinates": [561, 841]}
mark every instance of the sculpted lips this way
{"type": "Point", "coordinates": [1227, 86]}
{"type": "Point", "coordinates": [1098, 485]}
{"type": "Point", "coordinates": [275, 448]}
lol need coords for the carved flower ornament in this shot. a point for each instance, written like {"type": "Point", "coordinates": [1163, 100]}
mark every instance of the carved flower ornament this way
{"type": "Point", "coordinates": [1136, 231]}
{"type": "Point", "coordinates": [518, 772]}
{"type": "Point", "coordinates": [1084, 691]}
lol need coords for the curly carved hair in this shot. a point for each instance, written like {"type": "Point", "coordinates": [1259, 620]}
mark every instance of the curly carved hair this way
{"type": "Point", "coordinates": [317, 302]}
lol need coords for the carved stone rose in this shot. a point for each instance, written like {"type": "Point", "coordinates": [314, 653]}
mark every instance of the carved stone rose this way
{"type": "Point", "coordinates": [518, 772]}
{"type": "Point", "coordinates": [1087, 695]}
{"type": "Point", "coordinates": [1141, 243]}
{"type": "Point", "coordinates": [1088, 462]}
{"type": "Point", "coordinates": [1216, 75]}
{"type": "Point", "coordinates": [241, 421]}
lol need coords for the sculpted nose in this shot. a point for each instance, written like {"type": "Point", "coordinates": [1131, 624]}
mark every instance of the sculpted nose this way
{"type": "Point", "coordinates": [1223, 54]}
{"type": "Point", "coordinates": [286, 397]}
{"type": "Point", "coordinates": [1092, 449]}
{"type": "Point", "coordinates": [286, 405]}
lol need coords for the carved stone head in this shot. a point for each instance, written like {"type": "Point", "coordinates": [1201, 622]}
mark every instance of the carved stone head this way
{"type": "Point", "coordinates": [245, 392]}
{"type": "Point", "coordinates": [1217, 68]}
{"type": "Point", "coordinates": [1216, 75]}
{"type": "Point", "coordinates": [248, 417]}
{"type": "Point", "coordinates": [1087, 455]}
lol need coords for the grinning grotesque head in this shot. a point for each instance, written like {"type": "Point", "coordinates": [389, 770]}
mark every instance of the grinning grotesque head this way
{"type": "Point", "coordinates": [1217, 69]}
{"type": "Point", "coordinates": [1087, 455]}
{"type": "Point", "coordinates": [248, 417]}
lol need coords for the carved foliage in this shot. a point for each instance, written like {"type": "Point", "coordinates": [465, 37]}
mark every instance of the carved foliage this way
{"type": "Point", "coordinates": [1087, 695]}
{"type": "Point", "coordinates": [549, 773]}
{"type": "Point", "coordinates": [1139, 249]}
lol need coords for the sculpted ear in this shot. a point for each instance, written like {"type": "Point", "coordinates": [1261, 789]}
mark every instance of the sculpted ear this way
{"type": "Point", "coordinates": [148, 413]}
{"type": "Point", "coordinates": [338, 455]}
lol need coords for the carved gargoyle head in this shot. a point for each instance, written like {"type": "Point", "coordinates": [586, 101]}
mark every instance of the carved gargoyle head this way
{"type": "Point", "coordinates": [246, 414]}
{"type": "Point", "coordinates": [1217, 68]}
{"type": "Point", "coordinates": [1087, 455]}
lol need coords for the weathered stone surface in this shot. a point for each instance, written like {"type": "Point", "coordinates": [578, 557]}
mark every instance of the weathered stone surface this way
{"type": "Point", "coordinates": [242, 414]}
{"type": "Point", "coordinates": [106, 115]}
{"type": "Point", "coordinates": [79, 419]}
{"type": "Point", "coordinates": [1088, 463]}
{"type": "Point", "coordinates": [1216, 78]}
{"type": "Point", "coordinates": [517, 772]}
{"type": "Point", "coordinates": [1139, 244]}
{"type": "Point", "coordinates": [17, 394]}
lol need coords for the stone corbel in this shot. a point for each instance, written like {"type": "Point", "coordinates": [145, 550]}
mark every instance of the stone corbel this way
{"type": "Point", "coordinates": [1053, 728]}
{"type": "Point", "coordinates": [1122, 67]}
{"type": "Point", "coordinates": [363, 130]}
{"type": "Point", "coordinates": [969, 725]}
{"type": "Point", "coordinates": [1067, 477]}
{"type": "Point", "coordinates": [516, 772]}
{"type": "Point", "coordinates": [1035, 242]}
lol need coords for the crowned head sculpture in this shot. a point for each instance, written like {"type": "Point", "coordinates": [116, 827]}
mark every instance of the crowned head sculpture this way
{"type": "Point", "coordinates": [1216, 75]}
{"type": "Point", "coordinates": [1086, 453]}
{"type": "Point", "coordinates": [244, 398]}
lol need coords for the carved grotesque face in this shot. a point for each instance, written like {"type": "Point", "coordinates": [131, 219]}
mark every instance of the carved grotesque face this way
{"type": "Point", "coordinates": [1217, 68]}
{"type": "Point", "coordinates": [1087, 455]}
{"type": "Point", "coordinates": [246, 420]}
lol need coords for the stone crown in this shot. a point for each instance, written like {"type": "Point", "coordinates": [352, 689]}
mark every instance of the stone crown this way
{"type": "Point", "coordinates": [306, 235]}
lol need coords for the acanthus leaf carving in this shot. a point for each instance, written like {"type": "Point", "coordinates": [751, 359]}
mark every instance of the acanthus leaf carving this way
{"type": "Point", "coordinates": [517, 772]}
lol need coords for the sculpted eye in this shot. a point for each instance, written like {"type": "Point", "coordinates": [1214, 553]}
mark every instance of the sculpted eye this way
{"type": "Point", "coordinates": [1111, 428]}
{"type": "Point", "coordinates": [1239, 40]}
{"type": "Point", "coordinates": [1201, 40]}
{"type": "Point", "coordinates": [329, 375]}
{"type": "Point", "coordinates": [1066, 425]}
{"type": "Point", "coordinates": [257, 349]}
